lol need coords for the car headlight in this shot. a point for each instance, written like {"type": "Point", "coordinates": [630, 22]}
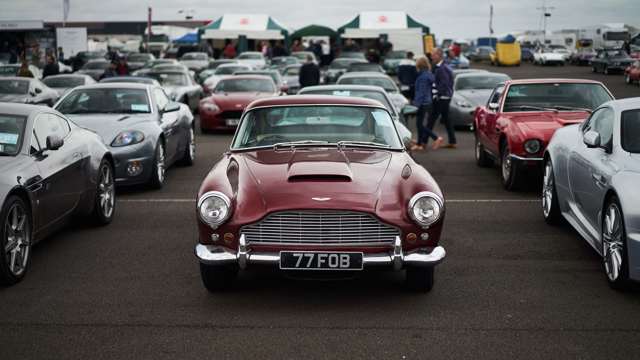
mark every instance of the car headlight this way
{"type": "Point", "coordinates": [210, 107]}
{"type": "Point", "coordinates": [463, 104]}
{"type": "Point", "coordinates": [532, 146]}
{"type": "Point", "coordinates": [425, 208]}
{"type": "Point", "coordinates": [126, 138]}
{"type": "Point", "coordinates": [214, 208]}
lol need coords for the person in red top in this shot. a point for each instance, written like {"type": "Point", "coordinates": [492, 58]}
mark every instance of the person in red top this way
{"type": "Point", "coordinates": [122, 69]}
{"type": "Point", "coordinates": [229, 51]}
{"type": "Point", "coordinates": [456, 49]}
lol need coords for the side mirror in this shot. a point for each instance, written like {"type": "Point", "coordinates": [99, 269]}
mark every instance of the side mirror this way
{"type": "Point", "coordinates": [284, 89]}
{"type": "Point", "coordinates": [409, 110]}
{"type": "Point", "coordinates": [54, 142]}
{"type": "Point", "coordinates": [494, 106]}
{"type": "Point", "coordinates": [591, 139]}
{"type": "Point", "coordinates": [171, 107]}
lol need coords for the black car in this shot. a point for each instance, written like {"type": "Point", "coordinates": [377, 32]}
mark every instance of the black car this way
{"type": "Point", "coordinates": [611, 60]}
{"type": "Point", "coordinates": [51, 170]}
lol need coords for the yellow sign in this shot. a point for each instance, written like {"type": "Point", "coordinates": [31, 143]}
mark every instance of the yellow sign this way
{"type": "Point", "coordinates": [429, 43]}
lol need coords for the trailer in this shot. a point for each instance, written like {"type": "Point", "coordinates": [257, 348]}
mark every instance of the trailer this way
{"type": "Point", "coordinates": [606, 35]}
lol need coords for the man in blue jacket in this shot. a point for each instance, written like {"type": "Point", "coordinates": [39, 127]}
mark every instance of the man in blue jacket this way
{"type": "Point", "coordinates": [444, 87]}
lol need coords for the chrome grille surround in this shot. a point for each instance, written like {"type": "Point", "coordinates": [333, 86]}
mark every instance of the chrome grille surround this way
{"type": "Point", "coordinates": [320, 227]}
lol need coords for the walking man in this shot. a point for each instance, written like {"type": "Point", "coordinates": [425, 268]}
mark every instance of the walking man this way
{"type": "Point", "coordinates": [444, 86]}
{"type": "Point", "coordinates": [309, 73]}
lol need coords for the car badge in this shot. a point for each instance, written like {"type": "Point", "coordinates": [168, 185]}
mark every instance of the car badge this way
{"type": "Point", "coordinates": [321, 198]}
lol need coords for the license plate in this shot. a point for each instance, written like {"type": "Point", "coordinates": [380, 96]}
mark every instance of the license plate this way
{"type": "Point", "coordinates": [308, 260]}
{"type": "Point", "coordinates": [232, 122]}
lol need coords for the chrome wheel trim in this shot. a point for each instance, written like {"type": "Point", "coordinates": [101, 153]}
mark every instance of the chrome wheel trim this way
{"type": "Point", "coordinates": [17, 244]}
{"type": "Point", "coordinates": [612, 242]}
{"type": "Point", "coordinates": [106, 191]}
{"type": "Point", "coordinates": [478, 149]}
{"type": "Point", "coordinates": [506, 165]}
{"type": "Point", "coordinates": [160, 163]}
{"type": "Point", "coordinates": [547, 189]}
{"type": "Point", "coordinates": [192, 144]}
{"type": "Point", "coordinates": [627, 79]}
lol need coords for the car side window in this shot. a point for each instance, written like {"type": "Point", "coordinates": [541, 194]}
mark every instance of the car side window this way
{"type": "Point", "coordinates": [65, 129]}
{"type": "Point", "coordinates": [161, 98]}
{"type": "Point", "coordinates": [46, 125]}
{"type": "Point", "coordinates": [601, 121]}
{"type": "Point", "coordinates": [497, 92]}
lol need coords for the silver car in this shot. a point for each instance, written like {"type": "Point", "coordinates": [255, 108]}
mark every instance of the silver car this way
{"type": "Point", "coordinates": [63, 83]}
{"type": "Point", "coordinates": [591, 178]}
{"type": "Point", "coordinates": [144, 130]}
{"type": "Point", "coordinates": [376, 79]}
{"type": "Point", "coordinates": [471, 90]}
{"type": "Point", "coordinates": [180, 87]}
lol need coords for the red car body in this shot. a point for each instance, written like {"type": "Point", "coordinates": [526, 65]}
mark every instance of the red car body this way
{"type": "Point", "coordinates": [502, 135]}
{"type": "Point", "coordinates": [375, 183]}
{"type": "Point", "coordinates": [632, 73]}
{"type": "Point", "coordinates": [222, 111]}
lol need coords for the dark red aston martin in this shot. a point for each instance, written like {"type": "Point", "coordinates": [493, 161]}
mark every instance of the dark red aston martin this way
{"type": "Point", "coordinates": [318, 184]}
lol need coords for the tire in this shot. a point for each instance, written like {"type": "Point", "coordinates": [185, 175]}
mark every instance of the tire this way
{"type": "Point", "coordinates": [482, 158]}
{"type": "Point", "coordinates": [158, 171]}
{"type": "Point", "coordinates": [16, 230]}
{"type": "Point", "coordinates": [615, 260]}
{"type": "Point", "coordinates": [419, 279]}
{"type": "Point", "coordinates": [550, 204]}
{"type": "Point", "coordinates": [509, 170]}
{"type": "Point", "coordinates": [627, 79]}
{"type": "Point", "coordinates": [104, 206]}
{"type": "Point", "coordinates": [217, 278]}
{"type": "Point", "coordinates": [189, 156]}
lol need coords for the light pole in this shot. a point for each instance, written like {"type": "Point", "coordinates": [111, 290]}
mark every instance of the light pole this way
{"type": "Point", "coordinates": [546, 12]}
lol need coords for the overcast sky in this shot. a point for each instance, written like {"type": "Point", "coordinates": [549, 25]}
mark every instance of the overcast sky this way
{"type": "Point", "coordinates": [446, 18]}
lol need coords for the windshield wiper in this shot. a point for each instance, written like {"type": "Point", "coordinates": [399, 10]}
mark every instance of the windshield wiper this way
{"type": "Point", "coordinates": [345, 143]}
{"type": "Point", "coordinates": [532, 107]}
{"type": "Point", "coordinates": [572, 108]}
{"type": "Point", "coordinates": [292, 144]}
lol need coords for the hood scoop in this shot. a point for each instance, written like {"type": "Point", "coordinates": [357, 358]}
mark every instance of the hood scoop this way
{"type": "Point", "coordinates": [319, 171]}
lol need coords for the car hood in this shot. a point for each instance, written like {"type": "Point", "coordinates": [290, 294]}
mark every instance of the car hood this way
{"type": "Point", "coordinates": [107, 126]}
{"type": "Point", "coordinates": [552, 56]}
{"type": "Point", "coordinates": [14, 98]}
{"type": "Point", "coordinates": [237, 101]}
{"type": "Point", "coordinates": [307, 177]}
{"type": "Point", "coordinates": [475, 97]}
{"type": "Point", "coordinates": [195, 63]}
{"type": "Point", "coordinates": [543, 125]}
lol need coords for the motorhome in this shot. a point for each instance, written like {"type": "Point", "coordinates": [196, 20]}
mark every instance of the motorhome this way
{"type": "Point", "coordinates": [606, 35]}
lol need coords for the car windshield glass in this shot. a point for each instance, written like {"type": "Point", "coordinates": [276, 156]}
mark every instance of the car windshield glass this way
{"type": "Point", "coordinates": [11, 133]}
{"type": "Point", "coordinates": [250, 56]}
{"type": "Point", "coordinates": [375, 95]}
{"type": "Point", "coordinates": [352, 55]}
{"type": "Point", "coordinates": [630, 131]}
{"type": "Point", "coordinates": [561, 96]}
{"type": "Point", "coordinates": [326, 123]}
{"type": "Point", "coordinates": [63, 82]}
{"type": "Point", "coordinates": [217, 63]}
{"type": "Point", "coordinates": [170, 79]}
{"type": "Point", "coordinates": [105, 101]}
{"type": "Point", "coordinates": [161, 62]}
{"type": "Point", "coordinates": [292, 71]}
{"type": "Point", "coordinates": [8, 70]}
{"type": "Point", "coordinates": [341, 63]}
{"type": "Point", "coordinates": [616, 53]}
{"type": "Point", "coordinates": [479, 82]}
{"type": "Point", "coordinates": [14, 87]}
{"type": "Point", "coordinates": [396, 55]}
{"type": "Point", "coordinates": [96, 65]}
{"type": "Point", "coordinates": [244, 85]}
{"type": "Point", "coordinates": [159, 38]}
{"type": "Point", "coordinates": [272, 74]}
{"type": "Point", "coordinates": [364, 67]}
{"type": "Point", "coordinates": [139, 57]}
{"type": "Point", "coordinates": [194, 57]}
{"type": "Point", "coordinates": [384, 83]}
{"type": "Point", "coordinates": [229, 70]}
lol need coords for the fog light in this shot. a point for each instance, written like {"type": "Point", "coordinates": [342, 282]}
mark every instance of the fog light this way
{"type": "Point", "coordinates": [134, 168]}
{"type": "Point", "coordinates": [411, 237]}
{"type": "Point", "coordinates": [215, 237]}
{"type": "Point", "coordinates": [228, 237]}
{"type": "Point", "coordinates": [424, 236]}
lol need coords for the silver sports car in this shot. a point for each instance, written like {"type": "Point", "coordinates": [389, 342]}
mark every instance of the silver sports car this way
{"type": "Point", "coordinates": [591, 178]}
{"type": "Point", "coordinates": [471, 90]}
{"type": "Point", "coordinates": [144, 130]}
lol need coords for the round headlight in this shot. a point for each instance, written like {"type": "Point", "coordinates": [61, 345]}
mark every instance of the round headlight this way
{"type": "Point", "coordinates": [214, 208]}
{"type": "Point", "coordinates": [425, 208]}
{"type": "Point", "coordinates": [532, 146]}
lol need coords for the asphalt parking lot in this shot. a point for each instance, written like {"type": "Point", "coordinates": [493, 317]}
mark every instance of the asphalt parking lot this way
{"type": "Point", "coordinates": [511, 286]}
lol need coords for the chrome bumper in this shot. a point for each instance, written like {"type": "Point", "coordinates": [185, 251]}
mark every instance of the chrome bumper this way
{"type": "Point", "coordinates": [521, 158]}
{"type": "Point", "coordinates": [219, 255]}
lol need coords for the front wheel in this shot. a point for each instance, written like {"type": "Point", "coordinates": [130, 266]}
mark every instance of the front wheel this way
{"type": "Point", "coordinates": [510, 171]}
{"type": "Point", "coordinates": [482, 158]}
{"type": "Point", "coordinates": [419, 279]}
{"type": "Point", "coordinates": [614, 246]}
{"type": "Point", "coordinates": [189, 156]}
{"type": "Point", "coordinates": [105, 200]}
{"type": "Point", "coordinates": [15, 240]}
{"type": "Point", "coordinates": [159, 167]}
{"type": "Point", "coordinates": [550, 202]}
{"type": "Point", "coordinates": [217, 278]}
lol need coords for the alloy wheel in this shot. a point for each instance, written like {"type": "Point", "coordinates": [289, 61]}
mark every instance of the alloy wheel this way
{"type": "Point", "coordinates": [160, 164]}
{"type": "Point", "coordinates": [612, 242]}
{"type": "Point", "coordinates": [192, 144]}
{"type": "Point", "coordinates": [17, 239]}
{"type": "Point", "coordinates": [106, 191]}
{"type": "Point", "coordinates": [506, 165]}
{"type": "Point", "coordinates": [547, 189]}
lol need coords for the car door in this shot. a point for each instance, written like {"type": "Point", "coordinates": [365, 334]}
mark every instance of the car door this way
{"type": "Point", "coordinates": [590, 169]}
{"type": "Point", "coordinates": [61, 177]}
{"type": "Point", "coordinates": [169, 122]}
{"type": "Point", "coordinates": [487, 118]}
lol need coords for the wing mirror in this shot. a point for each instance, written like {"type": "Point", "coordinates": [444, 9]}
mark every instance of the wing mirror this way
{"type": "Point", "coordinates": [54, 142]}
{"type": "Point", "coordinates": [171, 107]}
{"type": "Point", "coordinates": [409, 110]}
{"type": "Point", "coordinates": [284, 89]}
{"type": "Point", "coordinates": [494, 106]}
{"type": "Point", "coordinates": [591, 139]}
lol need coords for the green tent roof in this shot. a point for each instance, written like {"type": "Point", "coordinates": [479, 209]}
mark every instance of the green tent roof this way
{"type": "Point", "coordinates": [314, 30]}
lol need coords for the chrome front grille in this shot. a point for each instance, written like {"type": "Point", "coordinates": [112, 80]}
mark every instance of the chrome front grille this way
{"type": "Point", "coordinates": [335, 228]}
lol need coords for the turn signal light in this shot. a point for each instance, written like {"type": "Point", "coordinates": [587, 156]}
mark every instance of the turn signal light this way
{"type": "Point", "coordinates": [411, 237]}
{"type": "Point", "coordinates": [228, 237]}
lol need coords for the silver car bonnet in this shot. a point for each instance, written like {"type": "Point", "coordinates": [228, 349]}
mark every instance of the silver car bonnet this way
{"type": "Point", "coordinates": [108, 126]}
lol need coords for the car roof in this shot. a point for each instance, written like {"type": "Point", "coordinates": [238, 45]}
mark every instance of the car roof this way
{"type": "Point", "coordinates": [361, 74]}
{"type": "Point", "coordinates": [248, 77]}
{"type": "Point", "coordinates": [235, 64]}
{"type": "Point", "coordinates": [345, 88]}
{"type": "Point", "coordinates": [145, 80]}
{"type": "Point", "coordinates": [22, 109]}
{"type": "Point", "coordinates": [17, 78]}
{"type": "Point", "coordinates": [295, 100]}
{"type": "Point", "coordinates": [116, 85]}
{"type": "Point", "coordinates": [479, 74]}
{"type": "Point", "coordinates": [552, 81]}
{"type": "Point", "coordinates": [624, 104]}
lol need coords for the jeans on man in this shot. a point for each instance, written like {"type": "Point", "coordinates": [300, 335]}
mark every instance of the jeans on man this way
{"type": "Point", "coordinates": [441, 108]}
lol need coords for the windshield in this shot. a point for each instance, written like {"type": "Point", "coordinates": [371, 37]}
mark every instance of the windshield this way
{"type": "Point", "coordinates": [272, 74]}
{"type": "Point", "coordinates": [8, 70]}
{"type": "Point", "coordinates": [215, 64]}
{"type": "Point", "coordinates": [630, 127]}
{"type": "Point", "coordinates": [396, 55]}
{"type": "Point", "coordinates": [105, 101]}
{"type": "Point", "coordinates": [63, 82]}
{"type": "Point", "coordinates": [342, 63]}
{"type": "Point", "coordinates": [139, 57]}
{"type": "Point", "coordinates": [229, 70]}
{"type": "Point", "coordinates": [616, 35]}
{"type": "Point", "coordinates": [375, 95]}
{"type": "Point", "coordinates": [159, 38]}
{"type": "Point", "coordinates": [14, 87]}
{"type": "Point", "coordinates": [364, 67]}
{"type": "Point", "coordinates": [616, 53]}
{"type": "Point", "coordinates": [479, 82]}
{"type": "Point", "coordinates": [352, 55]}
{"type": "Point", "coordinates": [250, 56]}
{"type": "Point", "coordinates": [560, 96]}
{"type": "Point", "coordinates": [292, 71]}
{"type": "Point", "coordinates": [270, 126]}
{"type": "Point", "coordinates": [192, 56]}
{"type": "Point", "coordinates": [11, 133]}
{"type": "Point", "coordinates": [170, 79]}
{"type": "Point", "coordinates": [385, 83]}
{"type": "Point", "coordinates": [244, 85]}
{"type": "Point", "coordinates": [160, 62]}
{"type": "Point", "coordinates": [96, 65]}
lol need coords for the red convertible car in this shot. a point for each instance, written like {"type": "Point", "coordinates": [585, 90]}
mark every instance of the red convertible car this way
{"type": "Point", "coordinates": [521, 116]}
{"type": "Point", "coordinates": [320, 185]}
{"type": "Point", "coordinates": [222, 110]}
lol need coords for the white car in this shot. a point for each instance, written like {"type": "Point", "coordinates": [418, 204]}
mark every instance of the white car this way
{"type": "Point", "coordinates": [222, 72]}
{"type": "Point", "coordinates": [253, 59]}
{"type": "Point", "coordinates": [546, 56]}
{"type": "Point", "coordinates": [559, 49]}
